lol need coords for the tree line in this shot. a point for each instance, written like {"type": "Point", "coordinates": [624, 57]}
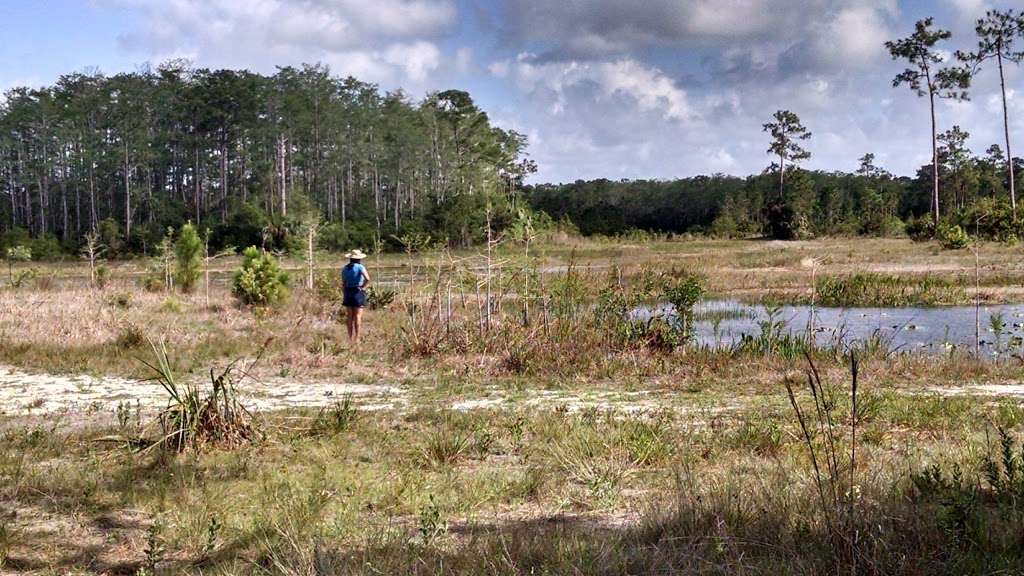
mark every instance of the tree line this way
{"type": "Point", "coordinates": [956, 192]}
{"type": "Point", "coordinates": [248, 158]}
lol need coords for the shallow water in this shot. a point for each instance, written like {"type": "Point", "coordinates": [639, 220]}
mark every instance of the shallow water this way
{"type": "Point", "coordinates": [934, 330]}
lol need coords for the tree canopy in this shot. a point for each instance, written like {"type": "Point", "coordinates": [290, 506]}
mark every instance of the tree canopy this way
{"type": "Point", "coordinates": [247, 156]}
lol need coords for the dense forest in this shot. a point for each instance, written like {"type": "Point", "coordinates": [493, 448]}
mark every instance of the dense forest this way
{"type": "Point", "coordinates": [870, 201]}
{"type": "Point", "coordinates": [248, 157]}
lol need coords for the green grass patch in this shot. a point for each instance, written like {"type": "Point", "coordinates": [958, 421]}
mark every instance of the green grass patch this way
{"type": "Point", "coordinates": [888, 290]}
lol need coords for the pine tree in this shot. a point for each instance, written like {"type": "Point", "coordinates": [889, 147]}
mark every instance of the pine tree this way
{"type": "Point", "coordinates": [188, 251]}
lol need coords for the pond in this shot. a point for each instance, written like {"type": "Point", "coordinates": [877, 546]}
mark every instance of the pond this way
{"type": "Point", "coordinates": [723, 323]}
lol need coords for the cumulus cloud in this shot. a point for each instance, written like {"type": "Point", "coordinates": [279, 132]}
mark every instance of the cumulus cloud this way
{"type": "Point", "coordinates": [603, 26]}
{"type": "Point", "coordinates": [380, 40]}
{"type": "Point", "coordinates": [648, 88]}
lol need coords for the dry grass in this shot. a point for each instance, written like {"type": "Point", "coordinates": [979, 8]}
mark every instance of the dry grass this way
{"type": "Point", "coordinates": [570, 452]}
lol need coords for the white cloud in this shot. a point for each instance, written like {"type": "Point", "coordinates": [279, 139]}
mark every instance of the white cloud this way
{"type": "Point", "coordinates": [649, 88]}
{"type": "Point", "coordinates": [380, 40]}
{"type": "Point", "coordinates": [418, 59]}
{"type": "Point", "coordinates": [969, 8]}
{"type": "Point", "coordinates": [859, 34]}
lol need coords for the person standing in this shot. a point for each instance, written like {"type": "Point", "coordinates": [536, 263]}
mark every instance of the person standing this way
{"type": "Point", "coordinates": [354, 280]}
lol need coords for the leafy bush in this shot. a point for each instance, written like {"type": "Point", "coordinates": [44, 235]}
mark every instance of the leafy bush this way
{"type": "Point", "coordinates": [684, 291]}
{"type": "Point", "coordinates": [22, 277]}
{"type": "Point", "coordinates": [328, 287]}
{"type": "Point", "coordinates": [102, 276]}
{"type": "Point", "coordinates": [46, 247]}
{"type": "Point", "coordinates": [991, 219]}
{"type": "Point", "coordinates": [18, 254]}
{"type": "Point", "coordinates": [260, 281]}
{"type": "Point", "coordinates": [952, 237]}
{"type": "Point", "coordinates": [724, 226]}
{"type": "Point", "coordinates": [110, 236]}
{"type": "Point", "coordinates": [188, 252]}
{"type": "Point", "coordinates": [920, 229]}
{"type": "Point", "coordinates": [153, 283]}
{"type": "Point", "coordinates": [121, 300]}
{"type": "Point", "coordinates": [171, 305]}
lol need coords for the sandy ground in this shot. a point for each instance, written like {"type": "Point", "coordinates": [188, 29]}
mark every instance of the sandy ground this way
{"type": "Point", "coordinates": [37, 395]}
{"type": "Point", "coordinates": [23, 393]}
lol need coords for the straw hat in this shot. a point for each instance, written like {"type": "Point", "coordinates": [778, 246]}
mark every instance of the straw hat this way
{"type": "Point", "coordinates": [356, 254]}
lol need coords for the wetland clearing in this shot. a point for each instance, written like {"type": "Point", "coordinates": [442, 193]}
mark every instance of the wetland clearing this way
{"type": "Point", "coordinates": [562, 428]}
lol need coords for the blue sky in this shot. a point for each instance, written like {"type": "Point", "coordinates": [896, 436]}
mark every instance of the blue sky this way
{"type": "Point", "coordinates": [603, 88]}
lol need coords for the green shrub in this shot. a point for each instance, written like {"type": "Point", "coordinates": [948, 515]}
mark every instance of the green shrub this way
{"type": "Point", "coordinates": [379, 298]}
{"type": "Point", "coordinates": [920, 229]}
{"type": "Point", "coordinates": [991, 219]}
{"type": "Point", "coordinates": [724, 226]}
{"type": "Point", "coordinates": [952, 237]}
{"type": "Point", "coordinates": [260, 281]}
{"type": "Point", "coordinates": [328, 287]}
{"type": "Point", "coordinates": [22, 277]}
{"type": "Point", "coordinates": [171, 305]}
{"type": "Point", "coordinates": [684, 291]}
{"type": "Point", "coordinates": [188, 252]}
{"type": "Point", "coordinates": [14, 254]}
{"type": "Point", "coordinates": [153, 283]}
{"type": "Point", "coordinates": [102, 276]}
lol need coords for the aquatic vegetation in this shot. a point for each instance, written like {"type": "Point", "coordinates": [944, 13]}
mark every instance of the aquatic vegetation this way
{"type": "Point", "coordinates": [883, 290]}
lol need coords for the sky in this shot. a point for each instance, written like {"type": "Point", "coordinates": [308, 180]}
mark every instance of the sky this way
{"type": "Point", "coordinates": [601, 88]}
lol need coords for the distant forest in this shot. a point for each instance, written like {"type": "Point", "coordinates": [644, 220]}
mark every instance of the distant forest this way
{"type": "Point", "coordinates": [249, 157]}
{"type": "Point", "coordinates": [869, 201]}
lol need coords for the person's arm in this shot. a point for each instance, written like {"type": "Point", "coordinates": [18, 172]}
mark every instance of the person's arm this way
{"type": "Point", "coordinates": [366, 278]}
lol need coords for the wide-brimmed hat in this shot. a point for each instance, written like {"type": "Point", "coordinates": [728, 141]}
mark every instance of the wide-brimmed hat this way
{"type": "Point", "coordinates": [356, 254]}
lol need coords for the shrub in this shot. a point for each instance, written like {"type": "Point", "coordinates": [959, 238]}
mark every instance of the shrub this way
{"type": "Point", "coordinates": [188, 252]}
{"type": "Point", "coordinates": [920, 229]}
{"type": "Point", "coordinates": [991, 219]}
{"type": "Point", "coordinates": [379, 298]}
{"type": "Point", "coordinates": [260, 281]}
{"type": "Point", "coordinates": [171, 305]}
{"type": "Point", "coordinates": [327, 287]}
{"type": "Point", "coordinates": [952, 237]}
{"type": "Point", "coordinates": [46, 247]}
{"type": "Point", "coordinates": [724, 226]}
{"type": "Point", "coordinates": [122, 300]}
{"type": "Point", "coordinates": [14, 254]}
{"type": "Point", "coordinates": [130, 337]}
{"type": "Point", "coordinates": [153, 283]}
{"type": "Point", "coordinates": [110, 236]}
{"type": "Point", "coordinates": [683, 292]}
{"type": "Point", "coordinates": [22, 277]}
{"type": "Point", "coordinates": [102, 276]}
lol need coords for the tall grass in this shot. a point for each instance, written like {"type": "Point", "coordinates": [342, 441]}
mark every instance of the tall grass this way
{"type": "Point", "coordinates": [882, 290]}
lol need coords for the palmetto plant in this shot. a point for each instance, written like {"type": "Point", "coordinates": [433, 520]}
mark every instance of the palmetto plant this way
{"type": "Point", "coordinates": [196, 417]}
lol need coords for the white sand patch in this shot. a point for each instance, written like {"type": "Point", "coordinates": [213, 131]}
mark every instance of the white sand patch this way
{"type": "Point", "coordinates": [24, 393]}
{"type": "Point", "coordinates": [480, 404]}
{"type": "Point", "coordinates": [1008, 390]}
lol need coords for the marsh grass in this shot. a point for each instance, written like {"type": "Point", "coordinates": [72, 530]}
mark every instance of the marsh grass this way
{"type": "Point", "coordinates": [882, 290]}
